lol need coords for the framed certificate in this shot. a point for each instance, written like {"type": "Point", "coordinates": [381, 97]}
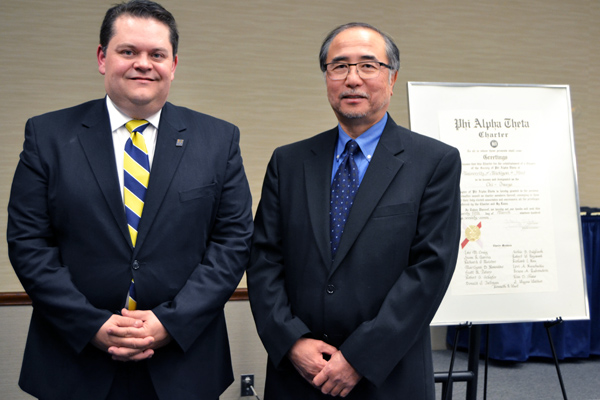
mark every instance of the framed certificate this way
{"type": "Point", "coordinates": [521, 255]}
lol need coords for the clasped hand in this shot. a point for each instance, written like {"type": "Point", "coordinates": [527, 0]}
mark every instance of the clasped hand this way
{"type": "Point", "coordinates": [131, 336]}
{"type": "Point", "coordinates": [335, 377]}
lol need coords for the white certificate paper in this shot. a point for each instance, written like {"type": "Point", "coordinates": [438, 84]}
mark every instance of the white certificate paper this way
{"type": "Point", "coordinates": [508, 236]}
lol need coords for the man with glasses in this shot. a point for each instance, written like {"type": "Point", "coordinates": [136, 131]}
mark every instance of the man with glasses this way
{"type": "Point", "coordinates": [356, 238]}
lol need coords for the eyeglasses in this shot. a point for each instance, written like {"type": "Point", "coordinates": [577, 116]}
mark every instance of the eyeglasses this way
{"type": "Point", "coordinates": [338, 71]}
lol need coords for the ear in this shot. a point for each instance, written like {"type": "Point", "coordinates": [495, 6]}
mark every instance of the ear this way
{"type": "Point", "coordinates": [175, 61]}
{"type": "Point", "coordinates": [393, 82]}
{"type": "Point", "coordinates": [101, 60]}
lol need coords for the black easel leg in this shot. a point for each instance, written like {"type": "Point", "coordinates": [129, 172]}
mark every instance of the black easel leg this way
{"type": "Point", "coordinates": [548, 325]}
{"type": "Point", "coordinates": [487, 358]}
{"type": "Point", "coordinates": [473, 361]}
{"type": "Point", "coordinates": [447, 386]}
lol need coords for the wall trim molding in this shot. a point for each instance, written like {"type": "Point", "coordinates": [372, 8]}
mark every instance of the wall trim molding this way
{"type": "Point", "coordinates": [22, 299]}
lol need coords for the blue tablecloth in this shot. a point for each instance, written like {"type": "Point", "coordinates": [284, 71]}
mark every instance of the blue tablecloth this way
{"type": "Point", "coordinates": [572, 339]}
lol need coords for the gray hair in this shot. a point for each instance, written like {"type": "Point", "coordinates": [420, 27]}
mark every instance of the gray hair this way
{"type": "Point", "coordinates": [391, 50]}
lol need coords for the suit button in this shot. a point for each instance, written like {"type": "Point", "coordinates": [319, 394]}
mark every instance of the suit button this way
{"type": "Point", "coordinates": [136, 265]}
{"type": "Point", "coordinates": [325, 337]}
{"type": "Point", "coordinates": [330, 289]}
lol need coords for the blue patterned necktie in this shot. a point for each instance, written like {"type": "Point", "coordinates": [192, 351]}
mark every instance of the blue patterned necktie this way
{"type": "Point", "coordinates": [343, 191]}
{"type": "Point", "coordinates": [136, 176]}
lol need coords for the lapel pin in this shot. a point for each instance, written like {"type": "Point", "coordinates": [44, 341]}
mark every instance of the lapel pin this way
{"type": "Point", "coordinates": [179, 143]}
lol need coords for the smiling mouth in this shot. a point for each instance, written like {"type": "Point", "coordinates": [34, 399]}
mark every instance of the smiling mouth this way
{"type": "Point", "coordinates": [143, 79]}
{"type": "Point", "coordinates": [353, 96]}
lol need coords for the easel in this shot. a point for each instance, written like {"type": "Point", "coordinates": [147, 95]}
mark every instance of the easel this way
{"type": "Point", "coordinates": [470, 376]}
{"type": "Point", "coordinates": [547, 325]}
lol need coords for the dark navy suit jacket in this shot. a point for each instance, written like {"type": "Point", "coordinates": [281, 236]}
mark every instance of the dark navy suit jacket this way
{"type": "Point", "coordinates": [70, 247]}
{"type": "Point", "coordinates": [394, 263]}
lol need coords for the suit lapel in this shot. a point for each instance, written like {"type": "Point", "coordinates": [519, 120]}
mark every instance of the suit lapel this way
{"type": "Point", "coordinates": [381, 171]}
{"type": "Point", "coordinates": [317, 174]}
{"type": "Point", "coordinates": [97, 144]}
{"type": "Point", "coordinates": [166, 160]}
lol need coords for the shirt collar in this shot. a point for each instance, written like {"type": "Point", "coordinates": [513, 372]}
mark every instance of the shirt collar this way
{"type": "Point", "coordinates": [119, 119]}
{"type": "Point", "coordinates": [367, 141]}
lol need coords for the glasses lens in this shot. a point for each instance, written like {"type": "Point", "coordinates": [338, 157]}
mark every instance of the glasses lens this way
{"type": "Point", "coordinates": [337, 71]}
{"type": "Point", "coordinates": [366, 70]}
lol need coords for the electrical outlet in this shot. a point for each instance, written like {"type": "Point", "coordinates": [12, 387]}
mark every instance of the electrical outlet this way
{"type": "Point", "coordinates": [247, 384]}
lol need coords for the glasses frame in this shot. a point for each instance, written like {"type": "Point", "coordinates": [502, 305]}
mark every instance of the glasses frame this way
{"type": "Point", "coordinates": [381, 64]}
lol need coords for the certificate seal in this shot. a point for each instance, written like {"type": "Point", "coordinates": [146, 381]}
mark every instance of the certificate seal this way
{"type": "Point", "coordinates": [472, 234]}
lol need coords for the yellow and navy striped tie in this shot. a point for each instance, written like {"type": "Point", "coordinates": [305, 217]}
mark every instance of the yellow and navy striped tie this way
{"type": "Point", "coordinates": [136, 177]}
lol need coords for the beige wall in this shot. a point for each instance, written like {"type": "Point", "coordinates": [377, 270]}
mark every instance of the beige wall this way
{"type": "Point", "coordinates": [254, 62]}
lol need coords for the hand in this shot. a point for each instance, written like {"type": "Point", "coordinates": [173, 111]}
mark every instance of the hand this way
{"type": "Point", "coordinates": [338, 377]}
{"type": "Point", "coordinates": [124, 333]}
{"type": "Point", "coordinates": [151, 325]}
{"type": "Point", "coordinates": [307, 357]}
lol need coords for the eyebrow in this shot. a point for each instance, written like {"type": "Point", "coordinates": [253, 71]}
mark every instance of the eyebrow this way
{"type": "Point", "coordinates": [345, 58]}
{"type": "Point", "coordinates": [134, 47]}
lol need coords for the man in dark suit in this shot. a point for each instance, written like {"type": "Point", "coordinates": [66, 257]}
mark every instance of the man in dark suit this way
{"type": "Point", "coordinates": [78, 254]}
{"type": "Point", "coordinates": [349, 316]}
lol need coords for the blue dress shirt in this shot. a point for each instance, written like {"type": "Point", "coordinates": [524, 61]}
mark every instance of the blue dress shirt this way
{"type": "Point", "coordinates": [367, 143]}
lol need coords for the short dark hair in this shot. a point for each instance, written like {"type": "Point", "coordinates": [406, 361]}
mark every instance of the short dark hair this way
{"type": "Point", "coordinates": [140, 9]}
{"type": "Point", "coordinates": [392, 52]}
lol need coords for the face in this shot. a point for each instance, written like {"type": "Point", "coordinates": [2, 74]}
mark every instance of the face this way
{"type": "Point", "coordinates": [138, 66]}
{"type": "Point", "coordinates": [357, 102]}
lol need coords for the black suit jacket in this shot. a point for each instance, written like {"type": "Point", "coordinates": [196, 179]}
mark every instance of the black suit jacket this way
{"type": "Point", "coordinates": [70, 247]}
{"type": "Point", "coordinates": [395, 260]}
